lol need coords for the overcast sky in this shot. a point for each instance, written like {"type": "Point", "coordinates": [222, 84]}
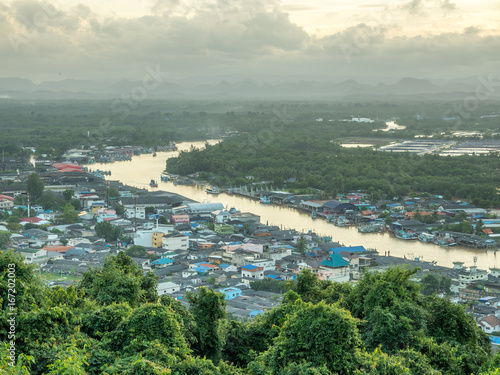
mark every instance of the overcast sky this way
{"type": "Point", "coordinates": [113, 39]}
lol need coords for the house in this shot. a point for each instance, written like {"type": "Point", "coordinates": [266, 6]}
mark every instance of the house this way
{"type": "Point", "coordinates": [266, 264]}
{"type": "Point", "coordinates": [33, 255]}
{"type": "Point", "coordinates": [254, 313]}
{"type": "Point", "coordinates": [167, 288]}
{"type": "Point", "coordinates": [489, 324]}
{"type": "Point", "coordinates": [6, 202]}
{"type": "Point", "coordinates": [230, 293]}
{"type": "Point", "coordinates": [252, 272]}
{"type": "Point", "coordinates": [471, 275]}
{"type": "Point", "coordinates": [335, 261]}
{"type": "Point", "coordinates": [163, 262]}
{"type": "Point", "coordinates": [175, 241]}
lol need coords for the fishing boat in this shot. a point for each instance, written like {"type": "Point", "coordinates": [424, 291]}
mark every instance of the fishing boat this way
{"type": "Point", "coordinates": [264, 199]}
{"type": "Point", "coordinates": [341, 222]}
{"type": "Point", "coordinates": [402, 235]}
{"type": "Point", "coordinates": [153, 184]}
{"type": "Point", "coordinates": [154, 154]}
{"type": "Point", "coordinates": [213, 190]}
{"type": "Point", "coordinates": [314, 215]}
{"type": "Point", "coordinates": [164, 178]}
{"type": "Point", "coordinates": [445, 240]}
{"type": "Point", "coordinates": [425, 237]}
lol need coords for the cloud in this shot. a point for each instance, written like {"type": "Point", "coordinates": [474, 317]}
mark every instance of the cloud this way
{"type": "Point", "coordinates": [250, 37]}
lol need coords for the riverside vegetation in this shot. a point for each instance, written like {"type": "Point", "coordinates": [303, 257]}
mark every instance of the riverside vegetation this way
{"type": "Point", "coordinates": [113, 322]}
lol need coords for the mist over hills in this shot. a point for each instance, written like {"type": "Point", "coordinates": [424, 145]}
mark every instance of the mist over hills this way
{"type": "Point", "coordinates": [233, 87]}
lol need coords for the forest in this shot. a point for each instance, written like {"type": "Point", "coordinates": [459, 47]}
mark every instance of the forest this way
{"type": "Point", "coordinates": [113, 322]}
{"type": "Point", "coordinates": [55, 126]}
{"type": "Point", "coordinates": [297, 157]}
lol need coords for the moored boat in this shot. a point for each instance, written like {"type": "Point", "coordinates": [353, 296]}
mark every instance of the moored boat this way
{"type": "Point", "coordinates": [213, 190]}
{"type": "Point", "coordinates": [426, 237]}
{"type": "Point", "coordinates": [153, 184]}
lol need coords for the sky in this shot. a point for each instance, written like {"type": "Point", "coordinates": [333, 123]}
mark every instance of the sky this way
{"type": "Point", "coordinates": [115, 39]}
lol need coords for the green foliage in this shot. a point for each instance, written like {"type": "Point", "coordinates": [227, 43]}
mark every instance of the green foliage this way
{"type": "Point", "coordinates": [119, 280]}
{"type": "Point", "coordinates": [68, 194]}
{"type": "Point", "coordinates": [269, 285]}
{"type": "Point", "coordinates": [97, 323]}
{"type": "Point", "coordinates": [208, 308]}
{"type": "Point", "coordinates": [107, 231]}
{"type": "Point", "coordinates": [69, 215]}
{"type": "Point", "coordinates": [435, 283]}
{"type": "Point", "coordinates": [4, 238]}
{"type": "Point", "coordinates": [136, 251]}
{"type": "Point", "coordinates": [301, 245]}
{"type": "Point", "coordinates": [34, 186]}
{"type": "Point", "coordinates": [147, 323]}
{"type": "Point", "coordinates": [113, 192]}
{"type": "Point", "coordinates": [321, 334]}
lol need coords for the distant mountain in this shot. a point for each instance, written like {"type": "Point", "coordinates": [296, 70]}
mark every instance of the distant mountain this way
{"type": "Point", "coordinates": [18, 88]}
{"type": "Point", "coordinates": [16, 84]}
{"type": "Point", "coordinates": [413, 86]}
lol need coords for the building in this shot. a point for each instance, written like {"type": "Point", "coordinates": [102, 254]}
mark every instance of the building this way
{"type": "Point", "coordinates": [33, 255]}
{"type": "Point", "coordinates": [230, 293]}
{"type": "Point", "coordinates": [489, 324]}
{"type": "Point", "coordinates": [175, 241]}
{"type": "Point", "coordinates": [252, 272]}
{"type": "Point", "coordinates": [163, 262]}
{"type": "Point", "coordinates": [167, 288]}
{"type": "Point", "coordinates": [6, 202]}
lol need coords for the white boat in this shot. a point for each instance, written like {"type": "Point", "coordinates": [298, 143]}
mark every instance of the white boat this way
{"type": "Point", "coordinates": [213, 190]}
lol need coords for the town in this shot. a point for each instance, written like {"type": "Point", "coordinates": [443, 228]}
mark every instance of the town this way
{"type": "Point", "coordinates": [68, 219]}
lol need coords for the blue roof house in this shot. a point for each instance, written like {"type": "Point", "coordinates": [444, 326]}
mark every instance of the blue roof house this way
{"type": "Point", "coordinates": [230, 293]}
{"type": "Point", "coordinates": [335, 261]}
{"type": "Point", "coordinates": [163, 262]}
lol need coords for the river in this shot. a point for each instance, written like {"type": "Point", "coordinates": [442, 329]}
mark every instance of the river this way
{"type": "Point", "coordinates": [141, 169]}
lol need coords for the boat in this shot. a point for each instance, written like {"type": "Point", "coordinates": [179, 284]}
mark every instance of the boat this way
{"type": "Point", "coordinates": [444, 240]}
{"type": "Point", "coordinates": [341, 222]}
{"type": "Point", "coordinates": [213, 190]}
{"type": "Point", "coordinates": [372, 228]}
{"type": "Point", "coordinates": [313, 215]}
{"type": "Point", "coordinates": [164, 178]}
{"type": "Point", "coordinates": [264, 199]}
{"type": "Point", "coordinates": [153, 184]}
{"type": "Point", "coordinates": [402, 235]}
{"type": "Point", "coordinates": [425, 237]}
{"type": "Point", "coordinates": [154, 154]}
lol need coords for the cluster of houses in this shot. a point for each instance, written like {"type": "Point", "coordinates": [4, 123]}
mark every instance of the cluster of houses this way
{"type": "Point", "coordinates": [187, 245]}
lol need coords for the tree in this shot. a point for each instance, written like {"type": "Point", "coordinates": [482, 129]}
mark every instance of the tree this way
{"type": "Point", "coordinates": [113, 192]}
{"type": "Point", "coordinates": [107, 231]}
{"type": "Point", "coordinates": [69, 215]}
{"type": "Point", "coordinates": [435, 283]}
{"type": "Point", "coordinates": [301, 246]}
{"type": "Point", "coordinates": [68, 194]}
{"type": "Point", "coordinates": [119, 280]}
{"type": "Point", "coordinates": [307, 336]}
{"type": "Point", "coordinates": [208, 308]}
{"type": "Point", "coordinates": [136, 251]}
{"type": "Point", "coordinates": [120, 210]}
{"type": "Point", "coordinates": [35, 187]}
{"type": "Point", "coordinates": [4, 238]}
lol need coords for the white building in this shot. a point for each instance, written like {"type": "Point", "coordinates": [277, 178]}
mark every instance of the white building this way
{"type": "Point", "coordinates": [167, 288]}
{"type": "Point", "coordinates": [252, 272]}
{"type": "Point", "coordinates": [471, 275]}
{"type": "Point", "coordinates": [176, 241]}
{"type": "Point", "coordinates": [34, 255]}
{"type": "Point", "coordinates": [266, 264]}
{"type": "Point", "coordinates": [489, 324]}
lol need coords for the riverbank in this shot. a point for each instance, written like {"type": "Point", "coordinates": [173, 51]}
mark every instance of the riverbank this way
{"type": "Point", "coordinates": [141, 169]}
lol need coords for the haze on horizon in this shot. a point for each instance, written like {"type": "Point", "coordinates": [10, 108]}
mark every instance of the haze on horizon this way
{"type": "Point", "coordinates": [52, 41]}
